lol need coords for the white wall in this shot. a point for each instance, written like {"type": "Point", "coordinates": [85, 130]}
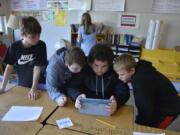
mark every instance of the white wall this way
{"type": "Point", "coordinates": [4, 10]}
{"type": "Point", "coordinates": [5, 6]}
{"type": "Point", "coordinates": [170, 37]}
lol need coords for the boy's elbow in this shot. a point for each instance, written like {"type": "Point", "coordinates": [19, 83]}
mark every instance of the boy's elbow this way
{"type": "Point", "coordinates": [122, 99]}
{"type": "Point", "coordinates": [9, 67]}
{"type": "Point", "coordinates": [37, 68]}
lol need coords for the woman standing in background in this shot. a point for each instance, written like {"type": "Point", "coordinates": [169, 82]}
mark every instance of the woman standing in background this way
{"type": "Point", "coordinates": [86, 34]}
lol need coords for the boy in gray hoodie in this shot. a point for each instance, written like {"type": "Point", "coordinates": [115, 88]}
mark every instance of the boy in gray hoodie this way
{"type": "Point", "coordinates": [62, 65]}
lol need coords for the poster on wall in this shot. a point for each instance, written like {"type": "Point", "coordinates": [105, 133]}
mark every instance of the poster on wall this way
{"type": "Point", "coordinates": [129, 21]}
{"type": "Point", "coordinates": [57, 4]}
{"type": "Point", "coordinates": [56, 11]}
{"type": "Point", "coordinates": [28, 5]}
{"type": "Point", "coordinates": [166, 6]}
{"type": "Point", "coordinates": [108, 5]}
{"type": "Point", "coordinates": [60, 18]}
{"type": "Point", "coordinates": [79, 4]}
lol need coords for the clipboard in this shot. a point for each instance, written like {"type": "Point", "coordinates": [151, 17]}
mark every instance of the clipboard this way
{"type": "Point", "coordinates": [94, 106]}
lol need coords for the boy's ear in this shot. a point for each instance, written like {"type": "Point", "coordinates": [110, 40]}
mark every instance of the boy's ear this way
{"type": "Point", "coordinates": [132, 70]}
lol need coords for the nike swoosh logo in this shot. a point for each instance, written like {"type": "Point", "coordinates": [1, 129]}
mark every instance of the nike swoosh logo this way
{"type": "Point", "coordinates": [22, 62]}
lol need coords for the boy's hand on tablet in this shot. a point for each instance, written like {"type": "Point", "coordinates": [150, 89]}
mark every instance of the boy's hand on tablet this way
{"type": "Point", "coordinates": [61, 101]}
{"type": "Point", "coordinates": [77, 103]}
{"type": "Point", "coordinates": [112, 107]}
{"type": "Point", "coordinates": [33, 94]}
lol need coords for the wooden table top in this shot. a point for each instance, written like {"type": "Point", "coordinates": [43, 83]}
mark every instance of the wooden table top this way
{"type": "Point", "coordinates": [18, 96]}
{"type": "Point", "coordinates": [19, 128]}
{"type": "Point", "coordinates": [54, 130]}
{"type": "Point", "coordinates": [90, 123]}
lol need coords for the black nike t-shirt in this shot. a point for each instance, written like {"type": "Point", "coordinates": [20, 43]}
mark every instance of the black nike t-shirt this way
{"type": "Point", "coordinates": [25, 59]}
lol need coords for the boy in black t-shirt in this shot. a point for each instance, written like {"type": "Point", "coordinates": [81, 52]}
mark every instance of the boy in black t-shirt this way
{"type": "Point", "coordinates": [28, 55]}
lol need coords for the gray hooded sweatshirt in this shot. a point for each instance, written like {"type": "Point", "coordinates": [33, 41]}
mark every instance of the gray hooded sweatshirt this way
{"type": "Point", "coordinates": [57, 75]}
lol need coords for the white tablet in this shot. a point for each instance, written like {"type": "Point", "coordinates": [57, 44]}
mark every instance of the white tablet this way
{"type": "Point", "coordinates": [94, 106]}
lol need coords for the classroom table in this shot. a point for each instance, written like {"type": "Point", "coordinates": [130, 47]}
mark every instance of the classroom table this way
{"type": "Point", "coordinates": [19, 128]}
{"type": "Point", "coordinates": [90, 123]}
{"type": "Point", "coordinates": [9, 86]}
{"type": "Point", "coordinates": [50, 129]}
{"type": "Point", "coordinates": [129, 130]}
{"type": "Point", "coordinates": [54, 130]}
{"type": "Point", "coordinates": [18, 96]}
{"type": "Point", "coordinates": [140, 128]}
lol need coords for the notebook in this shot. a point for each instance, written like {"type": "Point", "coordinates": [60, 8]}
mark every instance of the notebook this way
{"type": "Point", "coordinates": [94, 106]}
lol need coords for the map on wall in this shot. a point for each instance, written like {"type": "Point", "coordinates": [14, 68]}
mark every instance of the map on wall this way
{"type": "Point", "coordinates": [108, 5]}
{"type": "Point", "coordinates": [166, 6]}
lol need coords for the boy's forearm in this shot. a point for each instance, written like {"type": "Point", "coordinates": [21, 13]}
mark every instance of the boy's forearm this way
{"type": "Point", "coordinates": [7, 72]}
{"type": "Point", "coordinates": [53, 92]}
{"type": "Point", "coordinates": [73, 93]}
{"type": "Point", "coordinates": [36, 75]}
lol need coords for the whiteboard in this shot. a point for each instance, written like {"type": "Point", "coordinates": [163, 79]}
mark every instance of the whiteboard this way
{"type": "Point", "coordinates": [79, 4]}
{"type": "Point", "coordinates": [166, 6]}
{"type": "Point", "coordinates": [108, 5]}
{"type": "Point", "coordinates": [28, 5]}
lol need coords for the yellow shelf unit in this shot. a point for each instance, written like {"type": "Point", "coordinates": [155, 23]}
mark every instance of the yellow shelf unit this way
{"type": "Point", "coordinates": [166, 61]}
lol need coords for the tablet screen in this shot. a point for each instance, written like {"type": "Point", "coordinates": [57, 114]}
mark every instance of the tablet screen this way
{"type": "Point", "coordinates": [94, 106]}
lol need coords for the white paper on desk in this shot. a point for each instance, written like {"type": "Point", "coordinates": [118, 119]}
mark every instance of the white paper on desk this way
{"type": "Point", "coordinates": [23, 113]}
{"type": "Point", "coordinates": [140, 133]}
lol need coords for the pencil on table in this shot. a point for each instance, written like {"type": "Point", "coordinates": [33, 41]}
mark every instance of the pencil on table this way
{"type": "Point", "coordinates": [103, 122]}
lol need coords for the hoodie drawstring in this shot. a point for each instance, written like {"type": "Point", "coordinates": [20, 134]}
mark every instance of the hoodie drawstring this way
{"type": "Point", "coordinates": [102, 84]}
{"type": "Point", "coordinates": [96, 86]}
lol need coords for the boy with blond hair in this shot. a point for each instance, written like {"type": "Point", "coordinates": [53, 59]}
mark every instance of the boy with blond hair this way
{"type": "Point", "coordinates": [156, 99]}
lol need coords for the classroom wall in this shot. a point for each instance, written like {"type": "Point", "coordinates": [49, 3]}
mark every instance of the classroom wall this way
{"type": "Point", "coordinates": [171, 26]}
{"type": "Point", "coordinates": [5, 10]}
{"type": "Point", "coordinates": [170, 37]}
{"type": "Point", "coordinates": [5, 6]}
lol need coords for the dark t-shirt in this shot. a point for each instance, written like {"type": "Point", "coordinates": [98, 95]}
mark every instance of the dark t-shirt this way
{"type": "Point", "coordinates": [25, 59]}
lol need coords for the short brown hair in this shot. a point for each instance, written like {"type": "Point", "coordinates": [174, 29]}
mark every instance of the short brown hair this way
{"type": "Point", "coordinates": [75, 55]}
{"type": "Point", "coordinates": [29, 25]}
{"type": "Point", "coordinates": [124, 61]}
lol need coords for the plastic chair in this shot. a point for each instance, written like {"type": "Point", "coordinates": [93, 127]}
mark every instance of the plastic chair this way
{"type": "Point", "coordinates": [3, 50]}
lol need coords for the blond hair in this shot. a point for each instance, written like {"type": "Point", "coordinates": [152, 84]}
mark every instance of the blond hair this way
{"type": "Point", "coordinates": [124, 62]}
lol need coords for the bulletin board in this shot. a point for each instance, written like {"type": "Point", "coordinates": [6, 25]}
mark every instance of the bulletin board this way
{"type": "Point", "coordinates": [153, 6]}
{"type": "Point", "coordinates": [95, 5]}
{"type": "Point", "coordinates": [28, 5]}
{"type": "Point", "coordinates": [166, 6]}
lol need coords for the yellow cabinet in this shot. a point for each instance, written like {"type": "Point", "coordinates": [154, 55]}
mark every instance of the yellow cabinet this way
{"type": "Point", "coordinates": [166, 61]}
